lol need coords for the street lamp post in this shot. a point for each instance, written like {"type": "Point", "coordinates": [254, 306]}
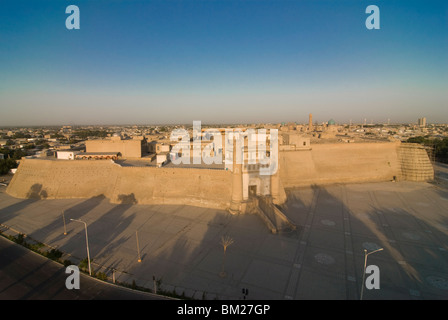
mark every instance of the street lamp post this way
{"type": "Point", "coordinates": [365, 265]}
{"type": "Point", "coordinates": [155, 284]}
{"type": "Point", "coordinates": [87, 243]}
{"type": "Point", "coordinates": [138, 247]}
{"type": "Point", "coordinates": [65, 228]}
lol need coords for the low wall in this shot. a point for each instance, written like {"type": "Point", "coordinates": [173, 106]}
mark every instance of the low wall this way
{"type": "Point", "coordinates": [52, 179]}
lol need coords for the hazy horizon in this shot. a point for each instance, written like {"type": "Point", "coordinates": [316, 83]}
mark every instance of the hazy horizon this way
{"type": "Point", "coordinates": [367, 123]}
{"type": "Point", "coordinates": [172, 62]}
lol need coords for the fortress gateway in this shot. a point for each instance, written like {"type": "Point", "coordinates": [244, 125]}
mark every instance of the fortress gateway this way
{"type": "Point", "coordinates": [239, 188]}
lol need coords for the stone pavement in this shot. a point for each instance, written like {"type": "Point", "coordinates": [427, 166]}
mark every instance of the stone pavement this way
{"type": "Point", "coordinates": [323, 259]}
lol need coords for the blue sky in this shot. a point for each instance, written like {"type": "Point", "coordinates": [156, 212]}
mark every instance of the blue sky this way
{"type": "Point", "coordinates": [222, 61]}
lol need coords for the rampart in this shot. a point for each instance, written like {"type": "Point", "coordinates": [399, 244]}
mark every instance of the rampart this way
{"type": "Point", "coordinates": [322, 164]}
{"type": "Point", "coordinates": [51, 179]}
{"type": "Point", "coordinates": [340, 163]}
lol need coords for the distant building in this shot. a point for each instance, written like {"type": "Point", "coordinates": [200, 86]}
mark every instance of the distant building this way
{"type": "Point", "coordinates": [127, 148]}
{"type": "Point", "coordinates": [66, 154]}
{"type": "Point", "coordinates": [161, 159]}
{"type": "Point", "coordinates": [293, 139]}
{"type": "Point", "coordinates": [422, 122]}
{"type": "Point", "coordinates": [158, 147]}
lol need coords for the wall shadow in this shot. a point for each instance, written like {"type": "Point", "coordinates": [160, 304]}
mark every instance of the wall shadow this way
{"type": "Point", "coordinates": [298, 204]}
{"type": "Point", "coordinates": [414, 250]}
{"type": "Point", "coordinates": [192, 246]}
{"type": "Point", "coordinates": [410, 258]}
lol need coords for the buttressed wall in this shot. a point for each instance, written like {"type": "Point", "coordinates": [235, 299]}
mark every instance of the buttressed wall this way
{"type": "Point", "coordinates": [53, 179]}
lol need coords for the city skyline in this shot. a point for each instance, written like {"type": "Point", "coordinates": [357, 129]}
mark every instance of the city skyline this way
{"type": "Point", "coordinates": [168, 62]}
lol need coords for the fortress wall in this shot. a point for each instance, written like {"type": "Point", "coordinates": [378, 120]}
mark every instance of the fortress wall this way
{"type": "Point", "coordinates": [59, 179]}
{"type": "Point", "coordinates": [62, 179]}
{"type": "Point", "coordinates": [340, 163]}
{"type": "Point", "coordinates": [200, 187]}
{"type": "Point", "coordinates": [324, 164]}
{"type": "Point", "coordinates": [53, 179]}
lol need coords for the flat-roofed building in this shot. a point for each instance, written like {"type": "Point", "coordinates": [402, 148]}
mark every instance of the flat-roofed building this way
{"type": "Point", "coordinates": [126, 148]}
{"type": "Point", "coordinates": [158, 147]}
{"type": "Point", "coordinates": [66, 154]}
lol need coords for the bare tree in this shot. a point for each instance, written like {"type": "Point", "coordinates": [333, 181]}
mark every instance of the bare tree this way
{"type": "Point", "coordinates": [225, 242]}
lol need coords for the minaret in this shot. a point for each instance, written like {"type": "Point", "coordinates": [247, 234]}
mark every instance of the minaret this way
{"type": "Point", "coordinates": [310, 123]}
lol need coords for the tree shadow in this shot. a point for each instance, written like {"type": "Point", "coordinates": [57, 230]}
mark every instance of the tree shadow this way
{"type": "Point", "coordinates": [127, 199]}
{"type": "Point", "coordinates": [77, 211]}
{"type": "Point", "coordinates": [105, 233]}
{"type": "Point", "coordinates": [36, 192]}
{"type": "Point", "coordinates": [108, 233]}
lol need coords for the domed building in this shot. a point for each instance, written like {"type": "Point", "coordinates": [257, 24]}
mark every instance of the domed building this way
{"type": "Point", "coordinates": [332, 127]}
{"type": "Point", "coordinates": [329, 131]}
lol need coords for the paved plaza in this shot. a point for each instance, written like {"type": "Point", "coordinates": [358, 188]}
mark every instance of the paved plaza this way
{"type": "Point", "coordinates": [322, 259]}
